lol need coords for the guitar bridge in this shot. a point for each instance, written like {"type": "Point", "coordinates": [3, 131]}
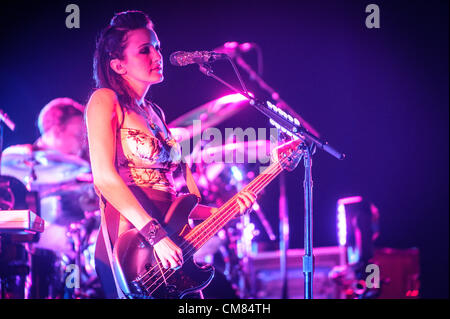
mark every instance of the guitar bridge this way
{"type": "Point", "coordinates": [136, 289]}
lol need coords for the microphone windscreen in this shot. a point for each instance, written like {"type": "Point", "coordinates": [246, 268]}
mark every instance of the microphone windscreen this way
{"type": "Point", "coordinates": [174, 58]}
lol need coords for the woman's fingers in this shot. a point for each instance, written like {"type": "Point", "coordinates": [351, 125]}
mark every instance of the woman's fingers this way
{"type": "Point", "coordinates": [169, 254]}
{"type": "Point", "coordinates": [180, 255]}
{"type": "Point", "coordinates": [164, 262]}
{"type": "Point", "coordinates": [242, 205]}
{"type": "Point", "coordinates": [246, 200]}
{"type": "Point", "coordinates": [177, 257]}
{"type": "Point", "coordinates": [250, 195]}
{"type": "Point", "coordinates": [176, 261]}
{"type": "Point", "coordinates": [171, 262]}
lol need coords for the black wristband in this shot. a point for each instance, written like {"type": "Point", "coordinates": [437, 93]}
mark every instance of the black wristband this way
{"type": "Point", "coordinates": [153, 232]}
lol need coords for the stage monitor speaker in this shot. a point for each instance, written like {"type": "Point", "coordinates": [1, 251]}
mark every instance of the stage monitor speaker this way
{"type": "Point", "coordinates": [399, 272]}
{"type": "Point", "coordinates": [266, 281]}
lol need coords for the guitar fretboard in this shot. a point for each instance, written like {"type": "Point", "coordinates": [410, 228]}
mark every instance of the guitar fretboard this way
{"type": "Point", "coordinates": [198, 236]}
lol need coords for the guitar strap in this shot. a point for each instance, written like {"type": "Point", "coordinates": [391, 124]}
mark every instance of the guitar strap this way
{"type": "Point", "coordinates": [187, 173]}
{"type": "Point", "coordinates": [108, 246]}
{"type": "Point", "coordinates": [190, 182]}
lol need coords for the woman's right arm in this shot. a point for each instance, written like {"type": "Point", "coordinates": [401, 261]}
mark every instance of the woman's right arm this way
{"type": "Point", "coordinates": [102, 122]}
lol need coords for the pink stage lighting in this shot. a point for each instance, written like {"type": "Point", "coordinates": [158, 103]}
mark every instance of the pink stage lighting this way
{"type": "Point", "coordinates": [341, 218]}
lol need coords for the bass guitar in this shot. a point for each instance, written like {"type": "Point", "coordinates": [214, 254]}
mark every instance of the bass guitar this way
{"type": "Point", "coordinates": [139, 272]}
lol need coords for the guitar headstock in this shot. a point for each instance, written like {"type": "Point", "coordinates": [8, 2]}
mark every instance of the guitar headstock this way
{"type": "Point", "coordinates": [288, 154]}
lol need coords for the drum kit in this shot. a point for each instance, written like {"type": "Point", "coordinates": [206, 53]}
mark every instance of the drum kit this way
{"type": "Point", "coordinates": [63, 196]}
{"type": "Point", "coordinates": [65, 199]}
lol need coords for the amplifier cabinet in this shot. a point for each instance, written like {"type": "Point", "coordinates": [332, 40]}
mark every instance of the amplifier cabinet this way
{"type": "Point", "coordinates": [266, 281]}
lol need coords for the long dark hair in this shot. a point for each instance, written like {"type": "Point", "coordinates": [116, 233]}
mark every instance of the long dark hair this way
{"type": "Point", "coordinates": [110, 45]}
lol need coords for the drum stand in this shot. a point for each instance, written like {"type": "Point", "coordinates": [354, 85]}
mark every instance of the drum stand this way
{"type": "Point", "coordinates": [79, 232]}
{"type": "Point", "coordinates": [244, 247]}
{"type": "Point", "coordinates": [75, 235]}
{"type": "Point", "coordinates": [13, 269]}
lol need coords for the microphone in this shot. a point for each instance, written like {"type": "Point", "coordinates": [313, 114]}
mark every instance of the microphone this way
{"type": "Point", "coordinates": [182, 58]}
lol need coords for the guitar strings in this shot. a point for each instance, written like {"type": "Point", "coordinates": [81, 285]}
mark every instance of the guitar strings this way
{"type": "Point", "coordinates": [160, 268]}
{"type": "Point", "coordinates": [234, 210]}
{"type": "Point", "coordinates": [263, 180]}
{"type": "Point", "coordinates": [256, 187]}
{"type": "Point", "coordinates": [269, 174]}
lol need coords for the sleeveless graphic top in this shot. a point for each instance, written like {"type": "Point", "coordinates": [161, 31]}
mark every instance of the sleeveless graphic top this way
{"type": "Point", "coordinates": [145, 160]}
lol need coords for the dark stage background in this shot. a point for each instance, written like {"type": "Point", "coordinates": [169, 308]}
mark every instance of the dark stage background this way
{"type": "Point", "coordinates": [379, 95]}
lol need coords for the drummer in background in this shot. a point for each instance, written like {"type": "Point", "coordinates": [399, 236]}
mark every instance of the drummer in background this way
{"type": "Point", "coordinates": [61, 125]}
{"type": "Point", "coordinates": [62, 128]}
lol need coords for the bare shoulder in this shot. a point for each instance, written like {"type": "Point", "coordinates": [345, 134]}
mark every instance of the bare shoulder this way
{"type": "Point", "coordinates": [103, 100]}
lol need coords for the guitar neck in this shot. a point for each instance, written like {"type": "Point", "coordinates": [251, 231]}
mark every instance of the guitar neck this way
{"type": "Point", "coordinates": [210, 226]}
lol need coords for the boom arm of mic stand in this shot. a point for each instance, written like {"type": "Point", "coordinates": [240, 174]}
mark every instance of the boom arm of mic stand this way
{"type": "Point", "coordinates": [302, 133]}
{"type": "Point", "coordinates": [299, 131]}
{"type": "Point", "coordinates": [257, 78]}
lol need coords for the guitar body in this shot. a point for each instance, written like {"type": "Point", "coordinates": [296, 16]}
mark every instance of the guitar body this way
{"type": "Point", "coordinates": [138, 271]}
{"type": "Point", "coordinates": [140, 274]}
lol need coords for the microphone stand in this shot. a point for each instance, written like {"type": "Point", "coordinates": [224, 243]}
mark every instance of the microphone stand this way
{"type": "Point", "coordinates": [308, 267]}
{"type": "Point", "coordinates": [308, 258]}
{"type": "Point", "coordinates": [284, 236]}
{"type": "Point", "coordinates": [293, 128]}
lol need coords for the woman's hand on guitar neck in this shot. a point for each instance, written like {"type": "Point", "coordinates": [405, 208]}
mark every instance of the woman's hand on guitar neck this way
{"type": "Point", "coordinates": [170, 255]}
{"type": "Point", "coordinates": [245, 199]}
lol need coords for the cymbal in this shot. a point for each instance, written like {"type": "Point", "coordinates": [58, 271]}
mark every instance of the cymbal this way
{"type": "Point", "coordinates": [210, 114]}
{"type": "Point", "coordinates": [41, 167]}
